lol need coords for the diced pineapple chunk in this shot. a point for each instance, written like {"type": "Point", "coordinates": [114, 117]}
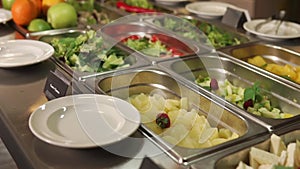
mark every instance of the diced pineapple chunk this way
{"type": "Point", "coordinates": [257, 61]}
{"type": "Point", "coordinates": [225, 133]}
{"type": "Point", "coordinates": [184, 104]}
{"type": "Point", "coordinates": [208, 134]}
{"type": "Point", "coordinates": [188, 142]}
{"type": "Point", "coordinates": [141, 102]}
{"type": "Point", "coordinates": [172, 104]}
{"type": "Point", "coordinates": [217, 141]}
{"type": "Point", "coordinates": [154, 127]}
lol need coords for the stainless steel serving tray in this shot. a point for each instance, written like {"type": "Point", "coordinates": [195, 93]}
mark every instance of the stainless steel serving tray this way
{"type": "Point", "coordinates": [159, 8]}
{"type": "Point", "coordinates": [229, 158]}
{"type": "Point", "coordinates": [221, 68]}
{"type": "Point", "coordinates": [126, 27]}
{"type": "Point", "coordinates": [150, 79]}
{"type": "Point", "coordinates": [231, 161]}
{"type": "Point", "coordinates": [271, 53]}
{"type": "Point", "coordinates": [132, 59]}
{"type": "Point", "coordinates": [225, 31]}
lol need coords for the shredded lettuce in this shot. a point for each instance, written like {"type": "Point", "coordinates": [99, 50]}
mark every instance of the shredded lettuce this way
{"type": "Point", "coordinates": [86, 53]}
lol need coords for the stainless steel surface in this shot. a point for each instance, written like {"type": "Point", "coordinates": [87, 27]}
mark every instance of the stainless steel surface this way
{"type": "Point", "coordinates": [272, 53]}
{"type": "Point", "coordinates": [6, 161]}
{"type": "Point", "coordinates": [281, 95]}
{"type": "Point", "coordinates": [231, 161]}
{"type": "Point", "coordinates": [150, 80]}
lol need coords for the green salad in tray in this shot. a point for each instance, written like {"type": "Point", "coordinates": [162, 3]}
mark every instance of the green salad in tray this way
{"type": "Point", "coordinates": [151, 45]}
{"type": "Point", "coordinates": [216, 37]}
{"type": "Point", "coordinates": [86, 53]}
{"type": "Point", "coordinates": [251, 98]}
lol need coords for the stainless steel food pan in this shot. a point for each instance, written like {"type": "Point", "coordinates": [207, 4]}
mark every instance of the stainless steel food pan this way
{"type": "Point", "coordinates": [230, 157]}
{"type": "Point", "coordinates": [231, 161]}
{"type": "Point", "coordinates": [112, 4]}
{"type": "Point", "coordinates": [271, 53]}
{"type": "Point", "coordinates": [281, 95]}
{"type": "Point", "coordinates": [214, 34]}
{"type": "Point", "coordinates": [122, 29]}
{"type": "Point", "coordinates": [133, 60]}
{"type": "Point", "coordinates": [152, 80]}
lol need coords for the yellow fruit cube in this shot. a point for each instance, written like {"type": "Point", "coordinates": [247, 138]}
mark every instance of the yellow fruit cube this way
{"type": "Point", "coordinates": [257, 61]}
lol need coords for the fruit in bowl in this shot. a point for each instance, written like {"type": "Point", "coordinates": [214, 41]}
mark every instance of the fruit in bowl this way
{"type": "Point", "coordinates": [38, 24]}
{"type": "Point", "coordinates": [7, 4]}
{"type": "Point", "coordinates": [23, 11]}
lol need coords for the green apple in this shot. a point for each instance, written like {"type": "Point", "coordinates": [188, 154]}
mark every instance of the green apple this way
{"type": "Point", "coordinates": [62, 15]}
{"type": "Point", "coordinates": [7, 4]}
{"type": "Point", "coordinates": [38, 24]}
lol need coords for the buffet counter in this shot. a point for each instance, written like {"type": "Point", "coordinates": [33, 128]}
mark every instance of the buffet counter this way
{"type": "Point", "coordinates": [22, 92]}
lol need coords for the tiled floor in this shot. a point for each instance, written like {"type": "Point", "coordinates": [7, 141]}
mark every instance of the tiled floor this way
{"type": "Point", "coordinates": [6, 161]}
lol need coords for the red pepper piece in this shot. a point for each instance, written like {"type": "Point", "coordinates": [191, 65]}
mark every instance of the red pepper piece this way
{"type": "Point", "coordinates": [154, 38]}
{"type": "Point", "coordinates": [132, 37]}
{"type": "Point", "coordinates": [163, 120]}
{"type": "Point", "coordinates": [128, 8]}
{"type": "Point", "coordinates": [175, 52]}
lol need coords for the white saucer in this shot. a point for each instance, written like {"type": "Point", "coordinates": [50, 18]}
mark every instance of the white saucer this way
{"type": "Point", "coordinates": [15, 53]}
{"type": "Point", "coordinates": [287, 30]}
{"type": "Point", "coordinates": [208, 9]}
{"type": "Point", "coordinates": [84, 121]}
{"type": "Point", "coordinates": [5, 15]}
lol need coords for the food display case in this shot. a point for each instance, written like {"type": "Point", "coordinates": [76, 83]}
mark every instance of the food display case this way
{"type": "Point", "coordinates": [184, 83]}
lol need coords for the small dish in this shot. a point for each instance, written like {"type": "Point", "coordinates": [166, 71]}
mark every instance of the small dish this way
{"type": "Point", "coordinates": [16, 53]}
{"type": "Point", "coordinates": [287, 30]}
{"type": "Point", "coordinates": [5, 15]}
{"type": "Point", "coordinates": [84, 121]}
{"type": "Point", "coordinates": [208, 9]}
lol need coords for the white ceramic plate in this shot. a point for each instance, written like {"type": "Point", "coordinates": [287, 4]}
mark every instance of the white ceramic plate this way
{"type": "Point", "coordinates": [287, 30]}
{"type": "Point", "coordinates": [15, 53]}
{"type": "Point", "coordinates": [170, 2]}
{"type": "Point", "coordinates": [208, 9]}
{"type": "Point", "coordinates": [84, 121]}
{"type": "Point", "coordinates": [5, 15]}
